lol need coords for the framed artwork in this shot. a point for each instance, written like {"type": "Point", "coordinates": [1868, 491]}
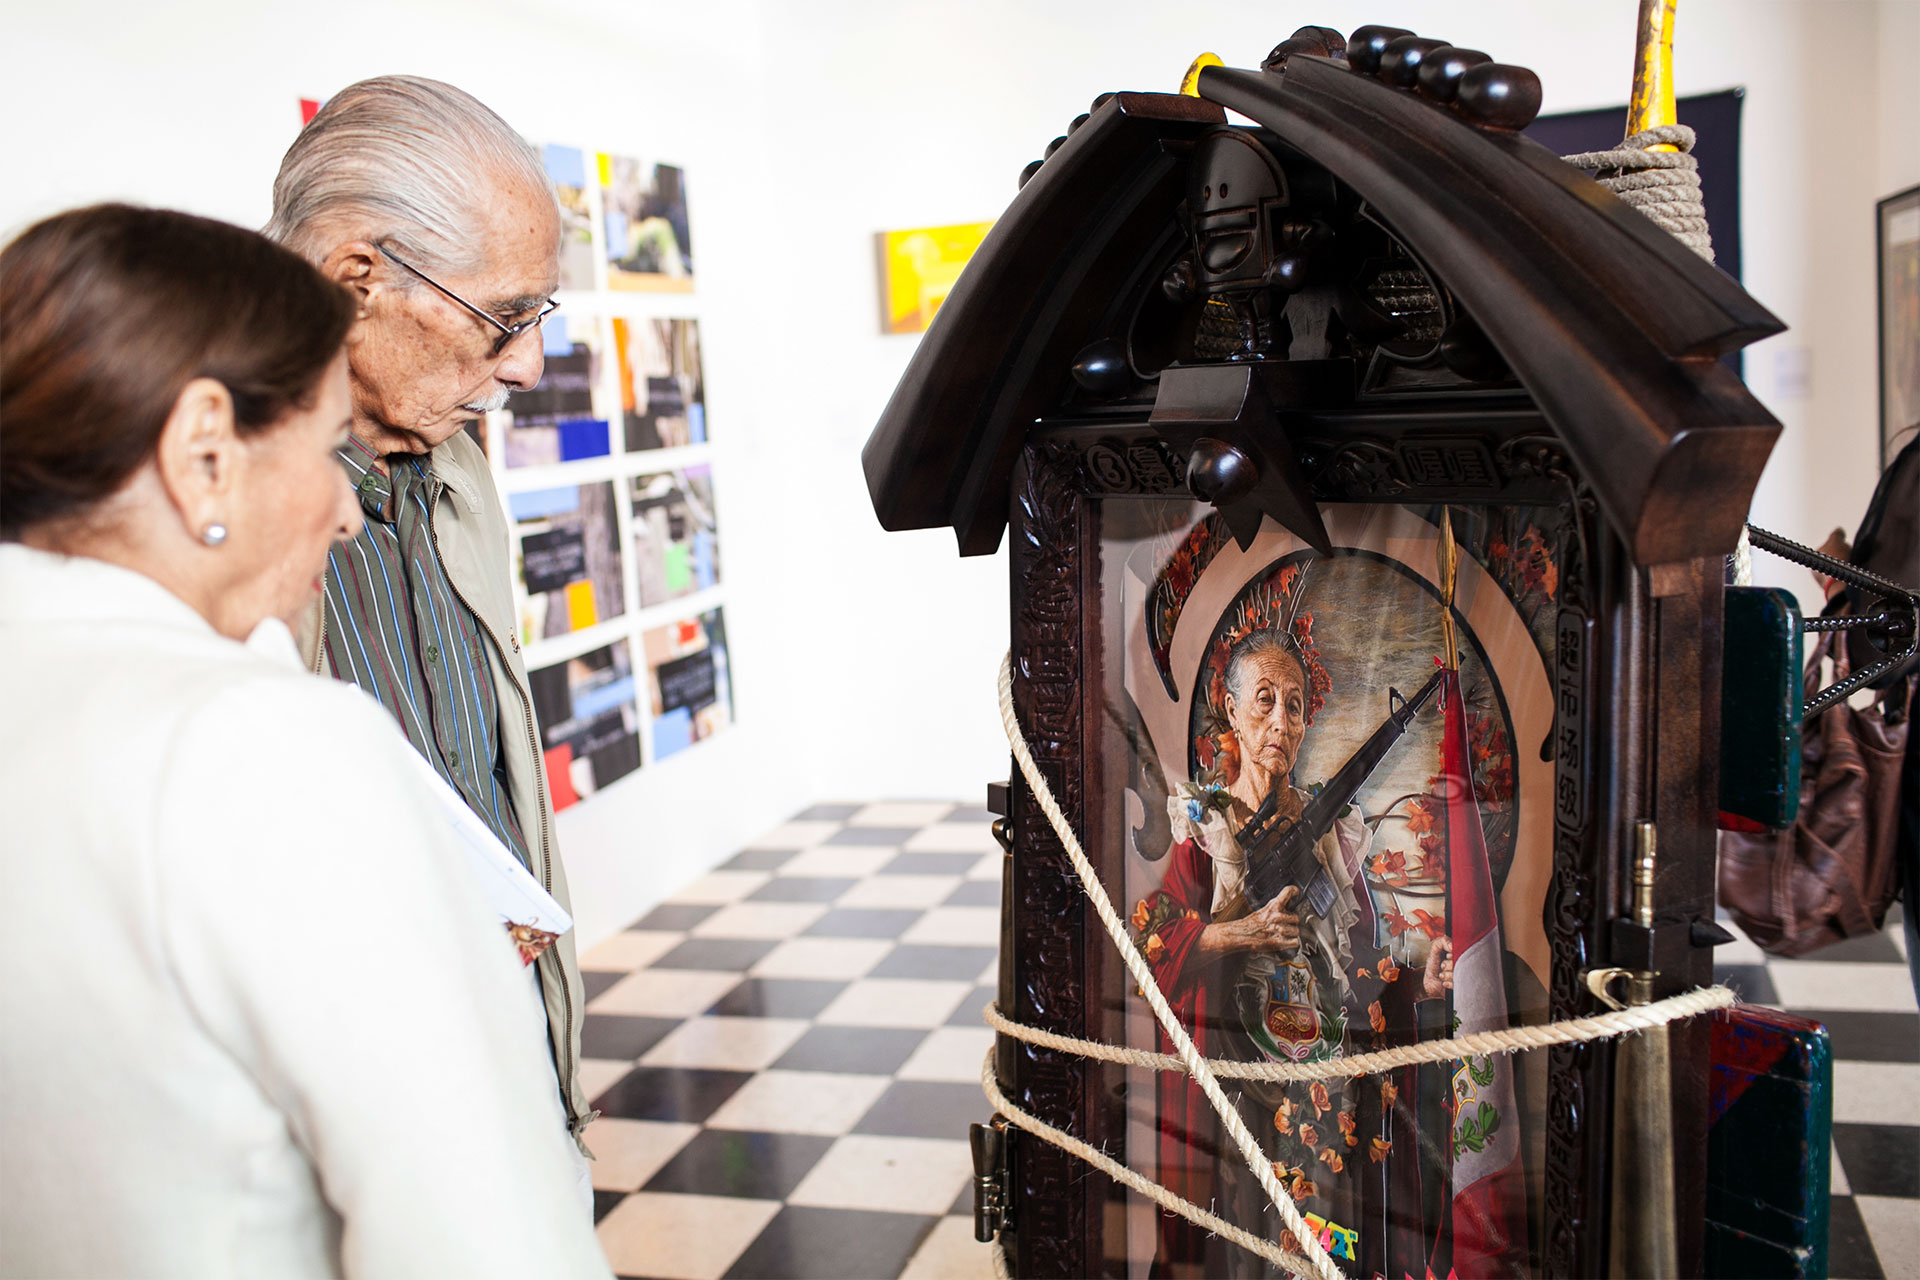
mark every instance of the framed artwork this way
{"type": "Point", "coordinates": [918, 268]}
{"type": "Point", "coordinates": [554, 421]}
{"type": "Point", "coordinates": [567, 166]}
{"type": "Point", "coordinates": [1899, 270]}
{"type": "Point", "coordinates": [649, 247]}
{"type": "Point", "coordinates": [675, 547]}
{"type": "Point", "coordinates": [688, 678]}
{"type": "Point", "coordinates": [570, 571]}
{"type": "Point", "coordinates": [589, 722]}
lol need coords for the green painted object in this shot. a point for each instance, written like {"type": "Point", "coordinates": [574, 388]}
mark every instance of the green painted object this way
{"type": "Point", "coordinates": [1760, 699]}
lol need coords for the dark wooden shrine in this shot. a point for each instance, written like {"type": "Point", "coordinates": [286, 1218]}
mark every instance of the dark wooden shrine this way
{"type": "Point", "coordinates": [1377, 293]}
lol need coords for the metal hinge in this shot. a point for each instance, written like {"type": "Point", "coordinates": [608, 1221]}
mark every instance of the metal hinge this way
{"type": "Point", "coordinates": [992, 1178]}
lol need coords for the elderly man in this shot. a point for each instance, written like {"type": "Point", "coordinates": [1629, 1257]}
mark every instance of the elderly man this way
{"type": "Point", "coordinates": [441, 222]}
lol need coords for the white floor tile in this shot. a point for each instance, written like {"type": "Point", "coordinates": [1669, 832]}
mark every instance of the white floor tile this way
{"type": "Point", "coordinates": [951, 1253]}
{"type": "Point", "coordinates": [726, 1044]}
{"type": "Point", "coordinates": [1877, 1093]}
{"type": "Point", "coordinates": [1835, 984]}
{"type": "Point", "coordinates": [896, 1175]}
{"type": "Point", "coordinates": [762, 920]}
{"type": "Point", "coordinates": [899, 892]}
{"type": "Point", "coordinates": [899, 815]}
{"type": "Point", "coordinates": [681, 1237]}
{"type": "Point", "coordinates": [950, 1053]}
{"type": "Point", "coordinates": [989, 976]}
{"type": "Point", "coordinates": [596, 1074]}
{"type": "Point", "coordinates": [954, 837]}
{"type": "Point", "coordinates": [720, 887]}
{"type": "Point", "coordinates": [894, 1002]}
{"type": "Point", "coordinates": [1894, 1228]}
{"type": "Point", "coordinates": [1742, 950]}
{"type": "Point", "coordinates": [990, 867]}
{"type": "Point", "coordinates": [836, 860]}
{"type": "Point", "coordinates": [628, 1152]}
{"type": "Point", "coordinates": [634, 949]}
{"type": "Point", "coordinates": [827, 959]}
{"type": "Point", "coordinates": [664, 993]}
{"type": "Point", "coordinates": [957, 926]}
{"type": "Point", "coordinates": [818, 1102]}
{"type": "Point", "coordinates": [796, 835]}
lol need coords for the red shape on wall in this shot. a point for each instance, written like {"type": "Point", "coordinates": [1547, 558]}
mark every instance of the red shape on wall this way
{"type": "Point", "coordinates": [560, 776]}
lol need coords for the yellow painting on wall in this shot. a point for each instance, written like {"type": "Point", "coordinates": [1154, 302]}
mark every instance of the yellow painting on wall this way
{"type": "Point", "coordinates": [918, 270]}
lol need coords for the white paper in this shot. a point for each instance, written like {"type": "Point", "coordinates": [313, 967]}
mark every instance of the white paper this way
{"type": "Point", "coordinates": [509, 889]}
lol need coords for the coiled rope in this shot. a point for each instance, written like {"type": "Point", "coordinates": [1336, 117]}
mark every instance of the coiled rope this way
{"type": "Point", "coordinates": [1664, 185]}
{"type": "Point", "coordinates": [1204, 1071]}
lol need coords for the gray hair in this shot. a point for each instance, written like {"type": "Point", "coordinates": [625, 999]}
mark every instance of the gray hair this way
{"type": "Point", "coordinates": [1265, 640]}
{"type": "Point", "coordinates": [412, 162]}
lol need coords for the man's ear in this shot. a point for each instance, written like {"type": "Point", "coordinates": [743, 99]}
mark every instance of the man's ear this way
{"type": "Point", "coordinates": [199, 455]}
{"type": "Point", "coordinates": [357, 266]}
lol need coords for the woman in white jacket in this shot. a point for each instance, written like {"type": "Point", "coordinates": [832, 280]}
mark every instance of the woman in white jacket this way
{"type": "Point", "coordinates": [256, 1019]}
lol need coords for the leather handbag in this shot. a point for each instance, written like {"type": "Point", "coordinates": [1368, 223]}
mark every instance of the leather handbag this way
{"type": "Point", "coordinates": [1832, 875]}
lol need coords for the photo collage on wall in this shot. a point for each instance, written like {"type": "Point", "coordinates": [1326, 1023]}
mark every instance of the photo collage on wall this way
{"type": "Point", "coordinates": [608, 480]}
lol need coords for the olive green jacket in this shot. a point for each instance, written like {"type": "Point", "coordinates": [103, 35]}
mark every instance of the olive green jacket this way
{"type": "Point", "coordinates": [470, 532]}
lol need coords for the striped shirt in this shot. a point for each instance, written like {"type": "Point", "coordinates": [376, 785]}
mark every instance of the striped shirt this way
{"type": "Point", "coordinates": [396, 627]}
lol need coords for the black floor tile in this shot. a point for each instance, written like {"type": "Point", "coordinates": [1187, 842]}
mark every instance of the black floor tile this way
{"type": "Point", "coordinates": [726, 1162]}
{"type": "Point", "coordinates": [1749, 981]}
{"type": "Point", "coordinates": [860, 922]}
{"type": "Point", "coordinates": [872, 835]}
{"type": "Point", "coordinates": [962, 1203]}
{"type": "Point", "coordinates": [1870, 1037]}
{"type": "Point", "coordinates": [908, 961]}
{"type": "Point", "coordinates": [969, 813]}
{"type": "Point", "coordinates": [1880, 1160]}
{"type": "Point", "coordinates": [975, 893]}
{"type": "Point", "coordinates": [777, 998]}
{"type": "Point", "coordinates": [759, 859]}
{"type": "Point", "coordinates": [621, 1036]}
{"type": "Point", "coordinates": [1872, 948]}
{"type": "Point", "coordinates": [596, 981]}
{"type": "Point", "coordinates": [800, 889]}
{"type": "Point", "coordinates": [828, 813]}
{"type": "Point", "coordinates": [925, 1109]}
{"type": "Point", "coordinates": [1849, 1249]}
{"type": "Point", "coordinates": [673, 917]}
{"type": "Point", "coordinates": [968, 1014]}
{"type": "Point", "coordinates": [930, 864]}
{"type": "Point", "coordinates": [872, 1051]}
{"type": "Point", "coordinates": [726, 955]}
{"type": "Point", "coordinates": [603, 1202]}
{"type": "Point", "coordinates": [832, 1244]}
{"type": "Point", "coordinates": [671, 1093]}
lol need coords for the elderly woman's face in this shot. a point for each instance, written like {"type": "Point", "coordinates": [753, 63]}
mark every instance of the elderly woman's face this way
{"type": "Point", "coordinates": [1269, 716]}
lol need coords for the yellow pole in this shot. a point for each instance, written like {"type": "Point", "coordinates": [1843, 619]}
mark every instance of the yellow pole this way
{"type": "Point", "coordinates": [1449, 554]}
{"type": "Point", "coordinates": [1652, 102]}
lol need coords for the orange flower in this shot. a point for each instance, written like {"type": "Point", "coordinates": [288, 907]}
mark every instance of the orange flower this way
{"type": "Point", "coordinates": [1318, 1093]}
{"type": "Point", "coordinates": [1419, 817]}
{"type": "Point", "coordinates": [1376, 1017]}
{"type": "Point", "coordinates": [1281, 1120]}
{"type": "Point", "coordinates": [1389, 1093]}
{"type": "Point", "coordinates": [1302, 1189]}
{"type": "Point", "coordinates": [1389, 971]}
{"type": "Point", "coordinates": [1140, 915]}
{"type": "Point", "coordinates": [1287, 1243]}
{"type": "Point", "coordinates": [1377, 1151]}
{"type": "Point", "coordinates": [1332, 1159]}
{"type": "Point", "coordinates": [1309, 1135]}
{"type": "Point", "coordinates": [1346, 1128]}
{"type": "Point", "coordinates": [1155, 948]}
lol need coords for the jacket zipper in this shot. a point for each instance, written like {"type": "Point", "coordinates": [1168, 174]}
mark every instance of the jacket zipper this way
{"type": "Point", "coordinates": [540, 794]}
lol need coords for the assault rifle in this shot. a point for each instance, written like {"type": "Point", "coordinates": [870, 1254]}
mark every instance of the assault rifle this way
{"type": "Point", "coordinates": [1280, 850]}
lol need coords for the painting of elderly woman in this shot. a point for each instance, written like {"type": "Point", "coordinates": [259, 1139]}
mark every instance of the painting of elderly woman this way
{"type": "Point", "coordinates": [1312, 725]}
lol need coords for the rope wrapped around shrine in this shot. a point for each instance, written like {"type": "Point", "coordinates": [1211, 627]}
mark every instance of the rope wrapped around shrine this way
{"type": "Point", "coordinates": [1206, 1073]}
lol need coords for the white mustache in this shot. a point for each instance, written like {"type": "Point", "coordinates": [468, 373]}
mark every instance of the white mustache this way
{"type": "Point", "coordinates": [497, 400]}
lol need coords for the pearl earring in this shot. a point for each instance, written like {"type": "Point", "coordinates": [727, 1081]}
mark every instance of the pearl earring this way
{"type": "Point", "coordinates": [214, 534]}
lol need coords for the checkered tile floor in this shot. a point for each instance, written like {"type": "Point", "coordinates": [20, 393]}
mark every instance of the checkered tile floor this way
{"type": "Point", "coordinates": [787, 1055]}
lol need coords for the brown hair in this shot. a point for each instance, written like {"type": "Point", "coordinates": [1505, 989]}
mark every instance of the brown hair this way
{"type": "Point", "coordinates": [109, 312]}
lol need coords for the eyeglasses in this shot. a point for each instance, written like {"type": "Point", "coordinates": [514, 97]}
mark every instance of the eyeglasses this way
{"type": "Point", "coordinates": [508, 332]}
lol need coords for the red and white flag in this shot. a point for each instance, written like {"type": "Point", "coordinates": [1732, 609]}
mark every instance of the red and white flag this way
{"type": "Point", "coordinates": [1489, 1186]}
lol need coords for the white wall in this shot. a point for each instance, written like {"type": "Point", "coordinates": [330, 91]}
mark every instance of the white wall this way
{"type": "Point", "coordinates": [864, 662]}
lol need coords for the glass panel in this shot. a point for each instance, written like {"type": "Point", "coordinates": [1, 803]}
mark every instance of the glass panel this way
{"type": "Point", "coordinates": [1330, 843]}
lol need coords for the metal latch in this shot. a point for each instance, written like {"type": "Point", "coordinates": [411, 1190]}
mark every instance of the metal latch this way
{"type": "Point", "coordinates": [992, 1178]}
